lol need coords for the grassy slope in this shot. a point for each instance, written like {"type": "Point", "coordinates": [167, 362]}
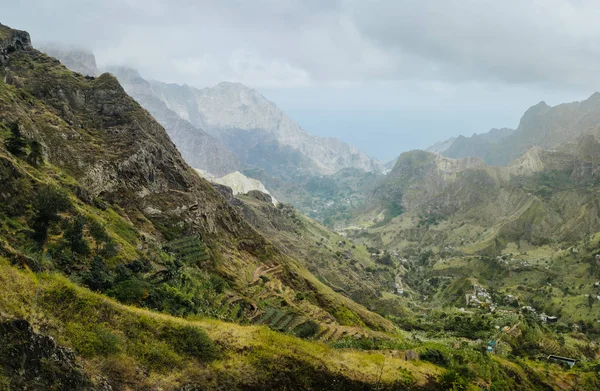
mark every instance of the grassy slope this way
{"type": "Point", "coordinates": [115, 341]}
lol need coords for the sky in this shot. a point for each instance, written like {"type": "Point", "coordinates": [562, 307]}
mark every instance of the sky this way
{"type": "Point", "coordinates": [386, 76]}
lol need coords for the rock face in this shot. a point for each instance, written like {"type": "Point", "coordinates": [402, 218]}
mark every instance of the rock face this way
{"type": "Point", "coordinates": [252, 126]}
{"type": "Point", "coordinates": [542, 125]}
{"type": "Point", "coordinates": [11, 40]}
{"type": "Point", "coordinates": [31, 361]}
{"type": "Point", "coordinates": [197, 147]}
{"type": "Point", "coordinates": [76, 59]}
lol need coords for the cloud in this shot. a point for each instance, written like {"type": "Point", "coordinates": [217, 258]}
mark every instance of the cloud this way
{"type": "Point", "coordinates": [514, 41]}
{"type": "Point", "coordinates": [294, 43]}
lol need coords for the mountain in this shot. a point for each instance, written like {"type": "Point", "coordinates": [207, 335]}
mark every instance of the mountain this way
{"type": "Point", "coordinates": [122, 269]}
{"type": "Point", "coordinates": [198, 148]}
{"type": "Point", "coordinates": [537, 198]}
{"type": "Point", "coordinates": [541, 125]}
{"type": "Point", "coordinates": [259, 132]}
{"type": "Point", "coordinates": [440, 146]}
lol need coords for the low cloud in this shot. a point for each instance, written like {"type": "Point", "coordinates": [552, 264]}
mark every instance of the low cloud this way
{"type": "Point", "coordinates": [293, 43]}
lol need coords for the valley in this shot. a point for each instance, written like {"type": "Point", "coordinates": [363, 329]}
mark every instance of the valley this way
{"type": "Point", "coordinates": [156, 236]}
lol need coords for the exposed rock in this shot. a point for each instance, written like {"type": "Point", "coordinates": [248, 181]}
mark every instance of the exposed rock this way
{"type": "Point", "coordinates": [12, 40]}
{"type": "Point", "coordinates": [31, 361]}
{"type": "Point", "coordinates": [259, 195]}
{"type": "Point", "coordinates": [241, 184]}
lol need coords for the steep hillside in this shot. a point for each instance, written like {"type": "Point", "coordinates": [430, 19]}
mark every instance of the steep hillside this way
{"type": "Point", "coordinates": [367, 278]}
{"type": "Point", "coordinates": [542, 125]}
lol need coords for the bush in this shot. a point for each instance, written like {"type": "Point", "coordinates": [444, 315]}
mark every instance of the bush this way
{"type": "Point", "coordinates": [307, 329]}
{"type": "Point", "coordinates": [191, 341]}
{"type": "Point", "coordinates": [98, 278]}
{"type": "Point", "coordinates": [35, 157]}
{"type": "Point", "coordinates": [47, 204]}
{"type": "Point", "coordinates": [130, 291]}
{"type": "Point", "coordinates": [452, 380]}
{"type": "Point", "coordinates": [434, 356]}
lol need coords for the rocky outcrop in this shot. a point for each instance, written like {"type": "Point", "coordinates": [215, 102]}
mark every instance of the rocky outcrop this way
{"type": "Point", "coordinates": [31, 361]}
{"type": "Point", "coordinates": [12, 40]}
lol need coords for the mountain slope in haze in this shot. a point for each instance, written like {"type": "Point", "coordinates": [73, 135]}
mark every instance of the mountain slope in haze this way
{"type": "Point", "coordinates": [438, 147]}
{"type": "Point", "coordinates": [198, 148]}
{"type": "Point", "coordinates": [246, 121]}
{"type": "Point", "coordinates": [541, 125]}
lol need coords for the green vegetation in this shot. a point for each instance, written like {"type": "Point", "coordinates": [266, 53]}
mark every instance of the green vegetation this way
{"type": "Point", "coordinates": [121, 253]}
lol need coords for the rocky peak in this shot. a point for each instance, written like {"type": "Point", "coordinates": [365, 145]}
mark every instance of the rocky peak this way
{"type": "Point", "coordinates": [591, 103]}
{"type": "Point", "coordinates": [12, 40]}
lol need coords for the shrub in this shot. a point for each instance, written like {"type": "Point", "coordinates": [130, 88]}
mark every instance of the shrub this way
{"type": "Point", "coordinates": [16, 143]}
{"type": "Point", "coordinates": [452, 380]}
{"type": "Point", "coordinates": [47, 204]}
{"type": "Point", "coordinates": [307, 329]}
{"type": "Point", "coordinates": [130, 291]}
{"type": "Point", "coordinates": [35, 157]}
{"type": "Point", "coordinates": [434, 356]}
{"type": "Point", "coordinates": [98, 278]}
{"type": "Point", "coordinates": [191, 341]}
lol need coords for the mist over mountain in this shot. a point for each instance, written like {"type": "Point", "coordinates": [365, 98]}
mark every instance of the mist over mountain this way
{"type": "Point", "coordinates": [245, 120]}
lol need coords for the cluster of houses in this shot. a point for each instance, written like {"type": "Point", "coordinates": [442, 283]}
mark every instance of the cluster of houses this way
{"type": "Point", "coordinates": [543, 317]}
{"type": "Point", "coordinates": [480, 298]}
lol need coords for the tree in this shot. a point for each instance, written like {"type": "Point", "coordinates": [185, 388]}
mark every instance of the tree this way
{"type": "Point", "coordinates": [35, 157]}
{"type": "Point", "coordinates": [74, 236]}
{"type": "Point", "coordinates": [16, 143]}
{"type": "Point", "coordinates": [47, 204]}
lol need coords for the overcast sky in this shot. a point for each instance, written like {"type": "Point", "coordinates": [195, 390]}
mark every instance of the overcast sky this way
{"type": "Point", "coordinates": [386, 76]}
